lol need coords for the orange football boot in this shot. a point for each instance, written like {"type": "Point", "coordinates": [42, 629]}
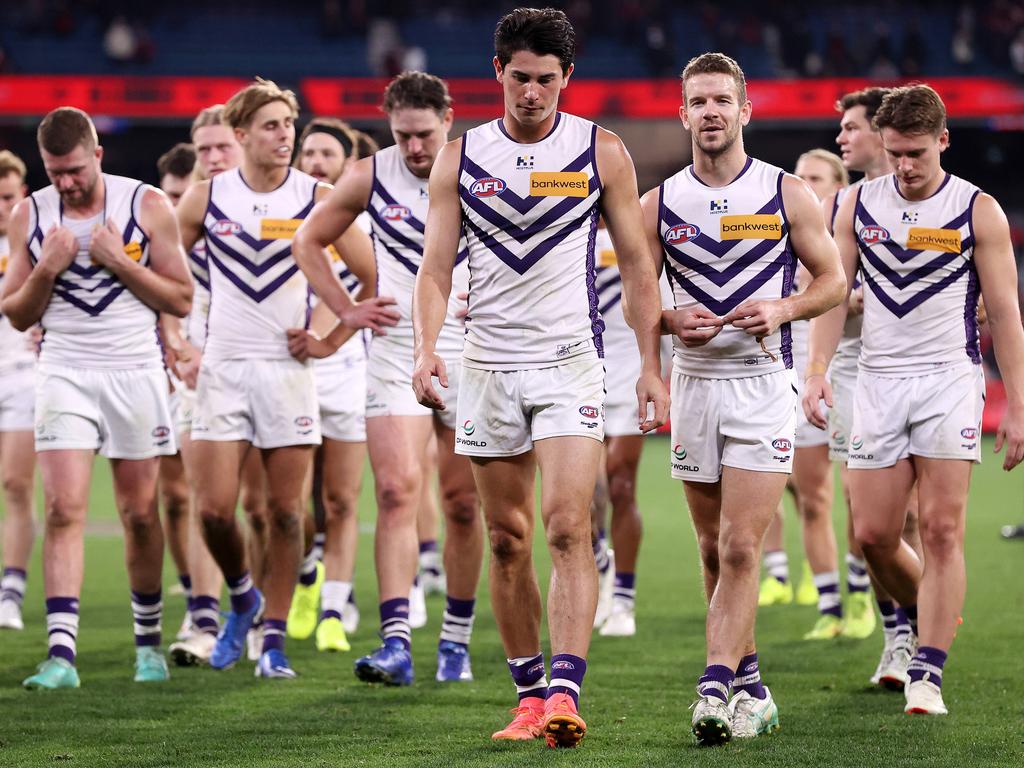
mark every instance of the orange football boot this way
{"type": "Point", "coordinates": [563, 726]}
{"type": "Point", "coordinates": [527, 724]}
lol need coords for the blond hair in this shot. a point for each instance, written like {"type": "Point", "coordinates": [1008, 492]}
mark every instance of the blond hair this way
{"type": "Point", "coordinates": [241, 107]}
{"type": "Point", "coordinates": [11, 163]}
{"type": "Point", "coordinates": [839, 172]}
{"type": "Point", "coordinates": [715, 64]}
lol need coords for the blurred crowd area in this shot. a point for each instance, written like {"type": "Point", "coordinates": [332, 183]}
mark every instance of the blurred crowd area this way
{"type": "Point", "coordinates": [624, 38]}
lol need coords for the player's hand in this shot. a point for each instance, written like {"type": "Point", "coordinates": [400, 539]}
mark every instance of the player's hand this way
{"type": "Point", "coordinates": [857, 301]}
{"type": "Point", "coordinates": [373, 314]}
{"type": "Point", "coordinates": [757, 318]}
{"type": "Point", "coordinates": [428, 366]}
{"type": "Point", "coordinates": [107, 246]}
{"type": "Point", "coordinates": [303, 345]}
{"type": "Point", "coordinates": [187, 364]}
{"type": "Point", "coordinates": [463, 311]}
{"type": "Point", "coordinates": [33, 338]}
{"type": "Point", "coordinates": [59, 249]}
{"type": "Point", "coordinates": [1011, 434]}
{"type": "Point", "coordinates": [816, 389]}
{"type": "Point", "coordinates": [694, 327]}
{"type": "Point", "coordinates": [650, 389]}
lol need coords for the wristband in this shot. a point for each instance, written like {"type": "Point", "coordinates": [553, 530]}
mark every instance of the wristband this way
{"type": "Point", "coordinates": [815, 369]}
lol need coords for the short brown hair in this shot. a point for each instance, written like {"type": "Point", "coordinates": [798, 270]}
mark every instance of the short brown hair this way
{"type": "Point", "coordinates": [913, 110]}
{"type": "Point", "coordinates": [332, 126]}
{"type": "Point", "coordinates": [869, 98]}
{"type": "Point", "coordinates": [241, 107]}
{"type": "Point", "coordinates": [64, 129]}
{"type": "Point", "coordinates": [366, 145]}
{"type": "Point", "coordinates": [416, 90]}
{"type": "Point", "coordinates": [715, 64]}
{"type": "Point", "coordinates": [178, 161]}
{"type": "Point", "coordinates": [212, 115]}
{"type": "Point", "coordinates": [839, 173]}
{"type": "Point", "coordinates": [11, 163]}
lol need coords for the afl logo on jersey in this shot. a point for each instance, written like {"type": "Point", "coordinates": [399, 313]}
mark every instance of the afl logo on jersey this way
{"type": "Point", "coordinates": [488, 187]}
{"type": "Point", "coordinates": [873, 234]}
{"type": "Point", "coordinates": [681, 233]}
{"type": "Point", "coordinates": [226, 227]}
{"type": "Point", "coordinates": [395, 213]}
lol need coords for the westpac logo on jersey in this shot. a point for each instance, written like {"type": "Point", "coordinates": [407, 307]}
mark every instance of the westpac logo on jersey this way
{"type": "Point", "coordinates": [681, 233]}
{"type": "Point", "coordinates": [909, 217]}
{"type": "Point", "coordinates": [226, 227]}
{"type": "Point", "coordinates": [873, 234]}
{"type": "Point", "coordinates": [524, 163]}
{"type": "Point", "coordinates": [395, 212]}
{"type": "Point", "coordinates": [719, 206]}
{"type": "Point", "coordinates": [488, 187]}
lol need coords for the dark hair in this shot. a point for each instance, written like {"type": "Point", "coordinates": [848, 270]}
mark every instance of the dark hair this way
{"type": "Point", "coordinates": [416, 90]}
{"type": "Point", "coordinates": [869, 98]}
{"type": "Point", "coordinates": [542, 31]}
{"type": "Point", "coordinates": [914, 110]}
{"type": "Point", "coordinates": [64, 129]}
{"type": "Point", "coordinates": [366, 145]}
{"type": "Point", "coordinates": [178, 161]}
{"type": "Point", "coordinates": [338, 129]}
{"type": "Point", "coordinates": [716, 64]}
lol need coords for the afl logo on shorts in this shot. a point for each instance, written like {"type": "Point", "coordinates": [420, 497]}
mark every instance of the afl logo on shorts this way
{"type": "Point", "coordinates": [681, 233]}
{"type": "Point", "coordinates": [226, 227]}
{"type": "Point", "coordinates": [161, 432]}
{"type": "Point", "coordinates": [782, 445]}
{"type": "Point", "coordinates": [303, 421]}
{"type": "Point", "coordinates": [488, 187]}
{"type": "Point", "coordinates": [969, 433]}
{"type": "Point", "coordinates": [395, 213]}
{"type": "Point", "coordinates": [590, 411]}
{"type": "Point", "coordinates": [873, 234]}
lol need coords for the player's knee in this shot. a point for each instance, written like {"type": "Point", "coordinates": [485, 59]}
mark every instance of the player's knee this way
{"type": "Point", "coordinates": [175, 504]}
{"type": "Point", "coordinates": [461, 509]}
{"type": "Point", "coordinates": [18, 490]}
{"type": "Point", "coordinates": [622, 491]}
{"type": "Point", "coordinates": [739, 552]}
{"type": "Point", "coordinates": [285, 519]}
{"type": "Point", "coordinates": [213, 519]}
{"type": "Point", "coordinates": [565, 538]}
{"type": "Point", "coordinates": [508, 546]}
{"type": "Point", "coordinates": [396, 493]}
{"type": "Point", "coordinates": [140, 520]}
{"type": "Point", "coordinates": [873, 537]}
{"type": "Point", "coordinates": [339, 505]}
{"type": "Point", "coordinates": [63, 513]}
{"type": "Point", "coordinates": [942, 537]}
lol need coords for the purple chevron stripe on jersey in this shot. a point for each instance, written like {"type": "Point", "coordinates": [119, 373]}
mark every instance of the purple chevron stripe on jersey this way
{"type": "Point", "coordinates": [899, 281]}
{"type": "Point", "coordinates": [596, 321]}
{"type": "Point", "coordinates": [462, 255]}
{"type": "Point", "coordinates": [522, 265]}
{"type": "Point", "coordinates": [726, 305]}
{"type": "Point", "coordinates": [612, 282]}
{"type": "Point", "coordinates": [709, 244]}
{"type": "Point", "coordinates": [388, 198]}
{"type": "Point", "coordinates": [93, 310]}
{"type": "Point", "coordinates": [67, 285]}
{"type": "Point", "coordinates": [397, 255]}
{"type": "Point", "coordinates": [500, 122]}
{"type": "Point", "coordinates": [535, 227]}
{"type": "Point", "coordinates": [610, 303]}
{"type": "Point", "coordinates": [942, 186]}
{"type": "Point", "coordinates": [973, 345]}
{"type": "Point", "coordinates": [510, 198]}
{"type": "Point", "coordinates": [256, 295]}
{"type": "Point", "coordinates": [255, 269]}
{"type": "Point", "coordinates": [901, 310]}
{"type": "Point", "coordinates": [744, 169]}
{"type": "Point", "coordinates": [245, 237]}
{"type": "Point", "coordinates": [906, 254]}
{"type": "Point", "coordinates": [393, 233]}
{"type": "Point", "coordinates": [725, 276]}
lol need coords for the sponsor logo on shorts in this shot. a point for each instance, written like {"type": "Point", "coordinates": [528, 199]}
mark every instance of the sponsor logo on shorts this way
{"type": "Point", "coordinates": [304, 424]}
{"type": "Point", "coordinates": [561, 350]}
{"type": "Point", "coordinates": [226, 227]}
{"type": "Point", "coordinates": [559, 184]}
{"type": "Point", "coordinates": [681, 233]}
{"type": "Point", "coordinates": [873, 234]}
{"type": "Point", "coordinates": [856, 443]}
{"type": "Point", "coordinates": [488, 187]}
{"type": "Point", "coordinates": [782, 445]}
{"type": "Point", "coordinates": [590, 411]}
{"type": "Point", "coordinates": [161, 431]}
{"type": "Point", "coordinates": [468, 427]}
{"type": "Point", "coordinates": [562, 664]}
{"type": "Point", "coordinates": [838, 437]}
{"type": "Point", "coordinates": [969, 433]}
{"type": "Point", "coordinates": [395, 212]}
{"type": "Point", "coordinates": [679, 455]}
{"type": "Point", "coordinates": [678, 452]}
{"type": "Point", "coordinates": [758, 226]}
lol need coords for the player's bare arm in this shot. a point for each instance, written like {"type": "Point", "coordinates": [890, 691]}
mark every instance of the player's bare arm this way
{"type": "Point", "coordinates": [997, 273]}
{"type": "Point", "coordinates": [165, 285]}
{"type": "Point", "coordinates": [190, 213]}
{"type": "Point", "coordinates": [334, 212]}
{"type": "Point", "coordinates": [816, 251]}
{"type": "Point", "coordinates": [641, 298]}
{"type": "Point", "coordinates": [827, 328]}
{"type": "Point", "coordinates": [27, 289]}
{"type": "Point", "coordinates": [434, 281]}
{"type": "Point", "coordinates": [694, 327]}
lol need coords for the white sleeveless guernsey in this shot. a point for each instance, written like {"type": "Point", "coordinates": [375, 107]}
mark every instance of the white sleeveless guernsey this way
{"type": "Point", "coordinates": [93, 320]}
{"type": "Point", "coordinates": [353, 351]}
{"type": "Point", "coordinates": [256, 290]}
{"type": "Point", "coordinates": [14, 344]}
{"type": "Point", "coordinates": [723, 246]}
{"type": "Point", "coordinates": [195, 323]}
{"type": "Point", "coordinates": [530, 214]}
{"type": "Point", "coordinates": [921, 288]}
{"type": "Point", "coordinates": [398, 212]}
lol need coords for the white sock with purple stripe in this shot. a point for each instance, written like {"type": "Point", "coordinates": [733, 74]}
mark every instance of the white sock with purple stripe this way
{"type": "Point", "coordinates": [12, 586]}
{"type": "Point", "coordinates": [62, 627]}
{"type": "Point", "coordinates": [147, 611]}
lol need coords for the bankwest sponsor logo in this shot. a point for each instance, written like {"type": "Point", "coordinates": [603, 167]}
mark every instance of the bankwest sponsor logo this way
{"type": "Point", "coordinates": [758, 226]}
{"type": "Point", "coordinates": [925, 239]}
{"type": "Point", "coordinates": [606, 258]}
{"type": "Point", "coordinates": [559, 184]}
{"type": "Point", "coordinates": [278, 229]}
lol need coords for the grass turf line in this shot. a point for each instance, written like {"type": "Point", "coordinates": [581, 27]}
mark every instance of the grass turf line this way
{"type": "Point", "coordinates": [635, 697]}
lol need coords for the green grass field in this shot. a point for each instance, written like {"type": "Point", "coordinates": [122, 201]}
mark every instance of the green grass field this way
{"type": "Point", "coordinates": [635, 699]}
